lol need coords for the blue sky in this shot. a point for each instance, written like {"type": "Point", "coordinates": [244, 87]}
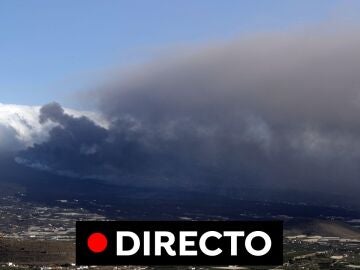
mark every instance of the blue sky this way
{"type": "Point", "coordinates": [49, 48]}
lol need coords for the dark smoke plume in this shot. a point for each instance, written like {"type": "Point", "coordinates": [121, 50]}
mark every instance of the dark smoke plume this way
{"type": "Point", "coordinates": [276, 110]}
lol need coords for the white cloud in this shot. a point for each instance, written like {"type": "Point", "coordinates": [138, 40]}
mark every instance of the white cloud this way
{"type": "Point", "coordinates": [20, 126]}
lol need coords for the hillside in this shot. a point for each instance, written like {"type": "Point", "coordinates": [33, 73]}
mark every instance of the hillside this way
{"type": "Point", "coordinates": [36, 252]}
{"type": "Point", "coordinates": [321, 227]}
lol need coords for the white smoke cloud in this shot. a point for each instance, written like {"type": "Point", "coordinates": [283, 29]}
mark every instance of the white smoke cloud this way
{"type": "Point", "coordinates": [20, 127]}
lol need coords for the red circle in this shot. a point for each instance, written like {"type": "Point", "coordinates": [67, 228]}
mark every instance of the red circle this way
{"type": "Point", "coordinates": [97, 242]}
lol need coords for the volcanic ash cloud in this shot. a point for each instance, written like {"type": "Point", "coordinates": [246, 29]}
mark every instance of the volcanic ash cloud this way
{"type": "Point", "coordinates": [274, 110]}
